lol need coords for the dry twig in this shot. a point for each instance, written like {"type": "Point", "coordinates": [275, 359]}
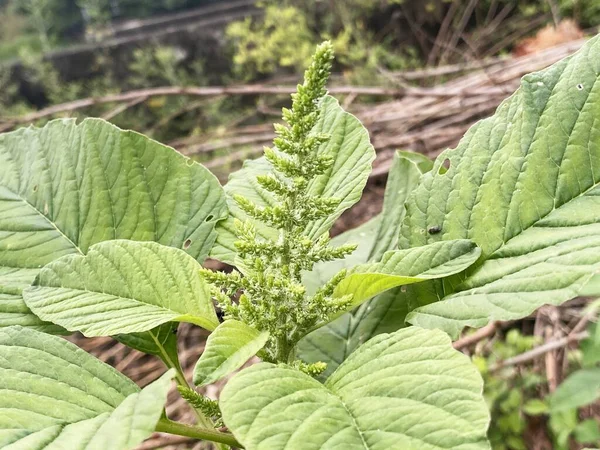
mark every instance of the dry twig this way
{"type": "Point", "coordinates": [540, 351]}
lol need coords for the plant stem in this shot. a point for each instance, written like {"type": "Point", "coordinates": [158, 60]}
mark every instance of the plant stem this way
{"type": "Point", "coordinates": [181, 429]}
{"type": "Point", "coordinates": [180, 377]}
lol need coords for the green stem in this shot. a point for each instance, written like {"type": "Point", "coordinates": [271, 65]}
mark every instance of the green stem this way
{"type": "Point", "coordinates": [181, 429]}
{"type": "Point", "coordinates": [181, 380]}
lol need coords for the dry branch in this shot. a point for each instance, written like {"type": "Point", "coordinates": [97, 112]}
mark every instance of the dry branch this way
{"type": "Point", "coordinates": [426, 120]}
{"type": "Point", "coordinates": [215, 91]}
{"type": "Point", "coordinates": [540, 350]}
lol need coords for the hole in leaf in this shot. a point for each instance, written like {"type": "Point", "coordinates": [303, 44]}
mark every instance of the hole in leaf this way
{"type": "Point", "coordinates": [190, 162]}
{"type": "Point", "coordinates": [444, 167]}
{"type": "Point", "coordinates": [35, 188]}
{"type": "Point", "coordinates": [402, 288]}
{"type": "Point", "coordinates": [187, 244]}
{"type": "Point", "coordinates": [209, 218]}
{"type": "Point", "coordinates": [580, 86]}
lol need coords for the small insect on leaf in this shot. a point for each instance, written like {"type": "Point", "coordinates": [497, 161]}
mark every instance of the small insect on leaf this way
{"type": "Point", "coordinates": [434, 230]}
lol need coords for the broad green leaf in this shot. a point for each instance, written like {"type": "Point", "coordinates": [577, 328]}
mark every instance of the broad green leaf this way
{"type": "Point", "coordinates": [66, 187]}
{"type": "Point", "coordinates": [405, 390]}
{"type": "Point", "coordinates": [56, 396]}
{"type": "Point", "coordinates": [227, 349]}
{"type": "Point", "coordinates": [405, 173]}
{"type": "Point", "coordinates": [334, 342]}
{"type": "Point", "coordinates": [524, 185]}
{"type": "Point", "coordinates": [578, 389]}
{"type": "Point", "coordinates": [353, 154]}
{"type": "Point", "coordinates": [122, 287]}
{"type": "Point", "coordinates": [13, 311]}
{"type": "Point", "coordinates": [402, 267]}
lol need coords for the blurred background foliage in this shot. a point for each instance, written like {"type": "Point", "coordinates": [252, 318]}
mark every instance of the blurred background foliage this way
{"type": "Point", "coordinates": [58, 51]}
{"type": "Point", "coordinates": [372, 38]}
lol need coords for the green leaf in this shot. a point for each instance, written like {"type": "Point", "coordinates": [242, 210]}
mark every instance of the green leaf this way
{"type": "Point", "coordinates": [353, 154]}
{"type": "Point", "coordinates": [402, 267]}
{"type": "Point", "coordinates": [160, 341]}
{"type": "Point", "coordinates": [579, 389]}
{"type": "Point", "coordinates": [56, 396]}
{"type": "Point", "coordinates": [535, 407]}
{"type": "Point", "coordinates": [405, 173]}
{"type": "Point", "coordinates": [405, 390]}
{"type": "Point", "coordinates": [66, 187]}
{"type": "Point", "coordinates": [587, 432]}
{"type": "Point", "coordinates": [385, 313]}
{"type": "Point", "coordinates": [122, 287]}
{"type": "Point", "coordinates": [227, 349]}
{"type": "Point", "coordinates": [524, 185]}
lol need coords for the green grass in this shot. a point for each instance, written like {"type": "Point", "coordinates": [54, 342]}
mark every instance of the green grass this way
{"type": "Point", "coordinates": [10, 49]}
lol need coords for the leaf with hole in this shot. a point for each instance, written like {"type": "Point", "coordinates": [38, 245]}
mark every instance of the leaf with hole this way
{"type": "Point", "coordinates": [56, 396]}
{"type": "Point", "coordinates": [227, 349]}
{"type": "Point", "coordinates": [122, 287]}
{"type": "Point", "coordinates": [66, 187]}
{"type": "Point", "coordinates": [405, 390]}
{"type": "Point", "coordinates": [524, 185]}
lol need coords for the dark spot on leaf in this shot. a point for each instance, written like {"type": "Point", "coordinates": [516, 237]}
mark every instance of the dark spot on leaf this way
{"type": "Point", "coordinates": [580, 86]}
{"type": "Point", "coordinates": [187, 244]}
{"type": "Point", "coordinates": [209, 218]}
{"type": "Point", "coordinates": [35, 188]}
{"type": "Point", "coordinates": [434, 230]}
{"type": "Point", "coordinates": [403, 289]}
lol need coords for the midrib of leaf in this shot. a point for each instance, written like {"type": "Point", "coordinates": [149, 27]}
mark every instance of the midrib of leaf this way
{"type": "Point", "coordinates": [52, 223]}
{"type": "Point", "coordinates": [353, 419]}
{"type": "Point", "coordinates": [564, 150]}
{"type": "Point", "coordinates": [176, 315]}
{"type": "Point", "coordinates": [108, 188]}
{"type": "Point", "coordinates": [501, 247]}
